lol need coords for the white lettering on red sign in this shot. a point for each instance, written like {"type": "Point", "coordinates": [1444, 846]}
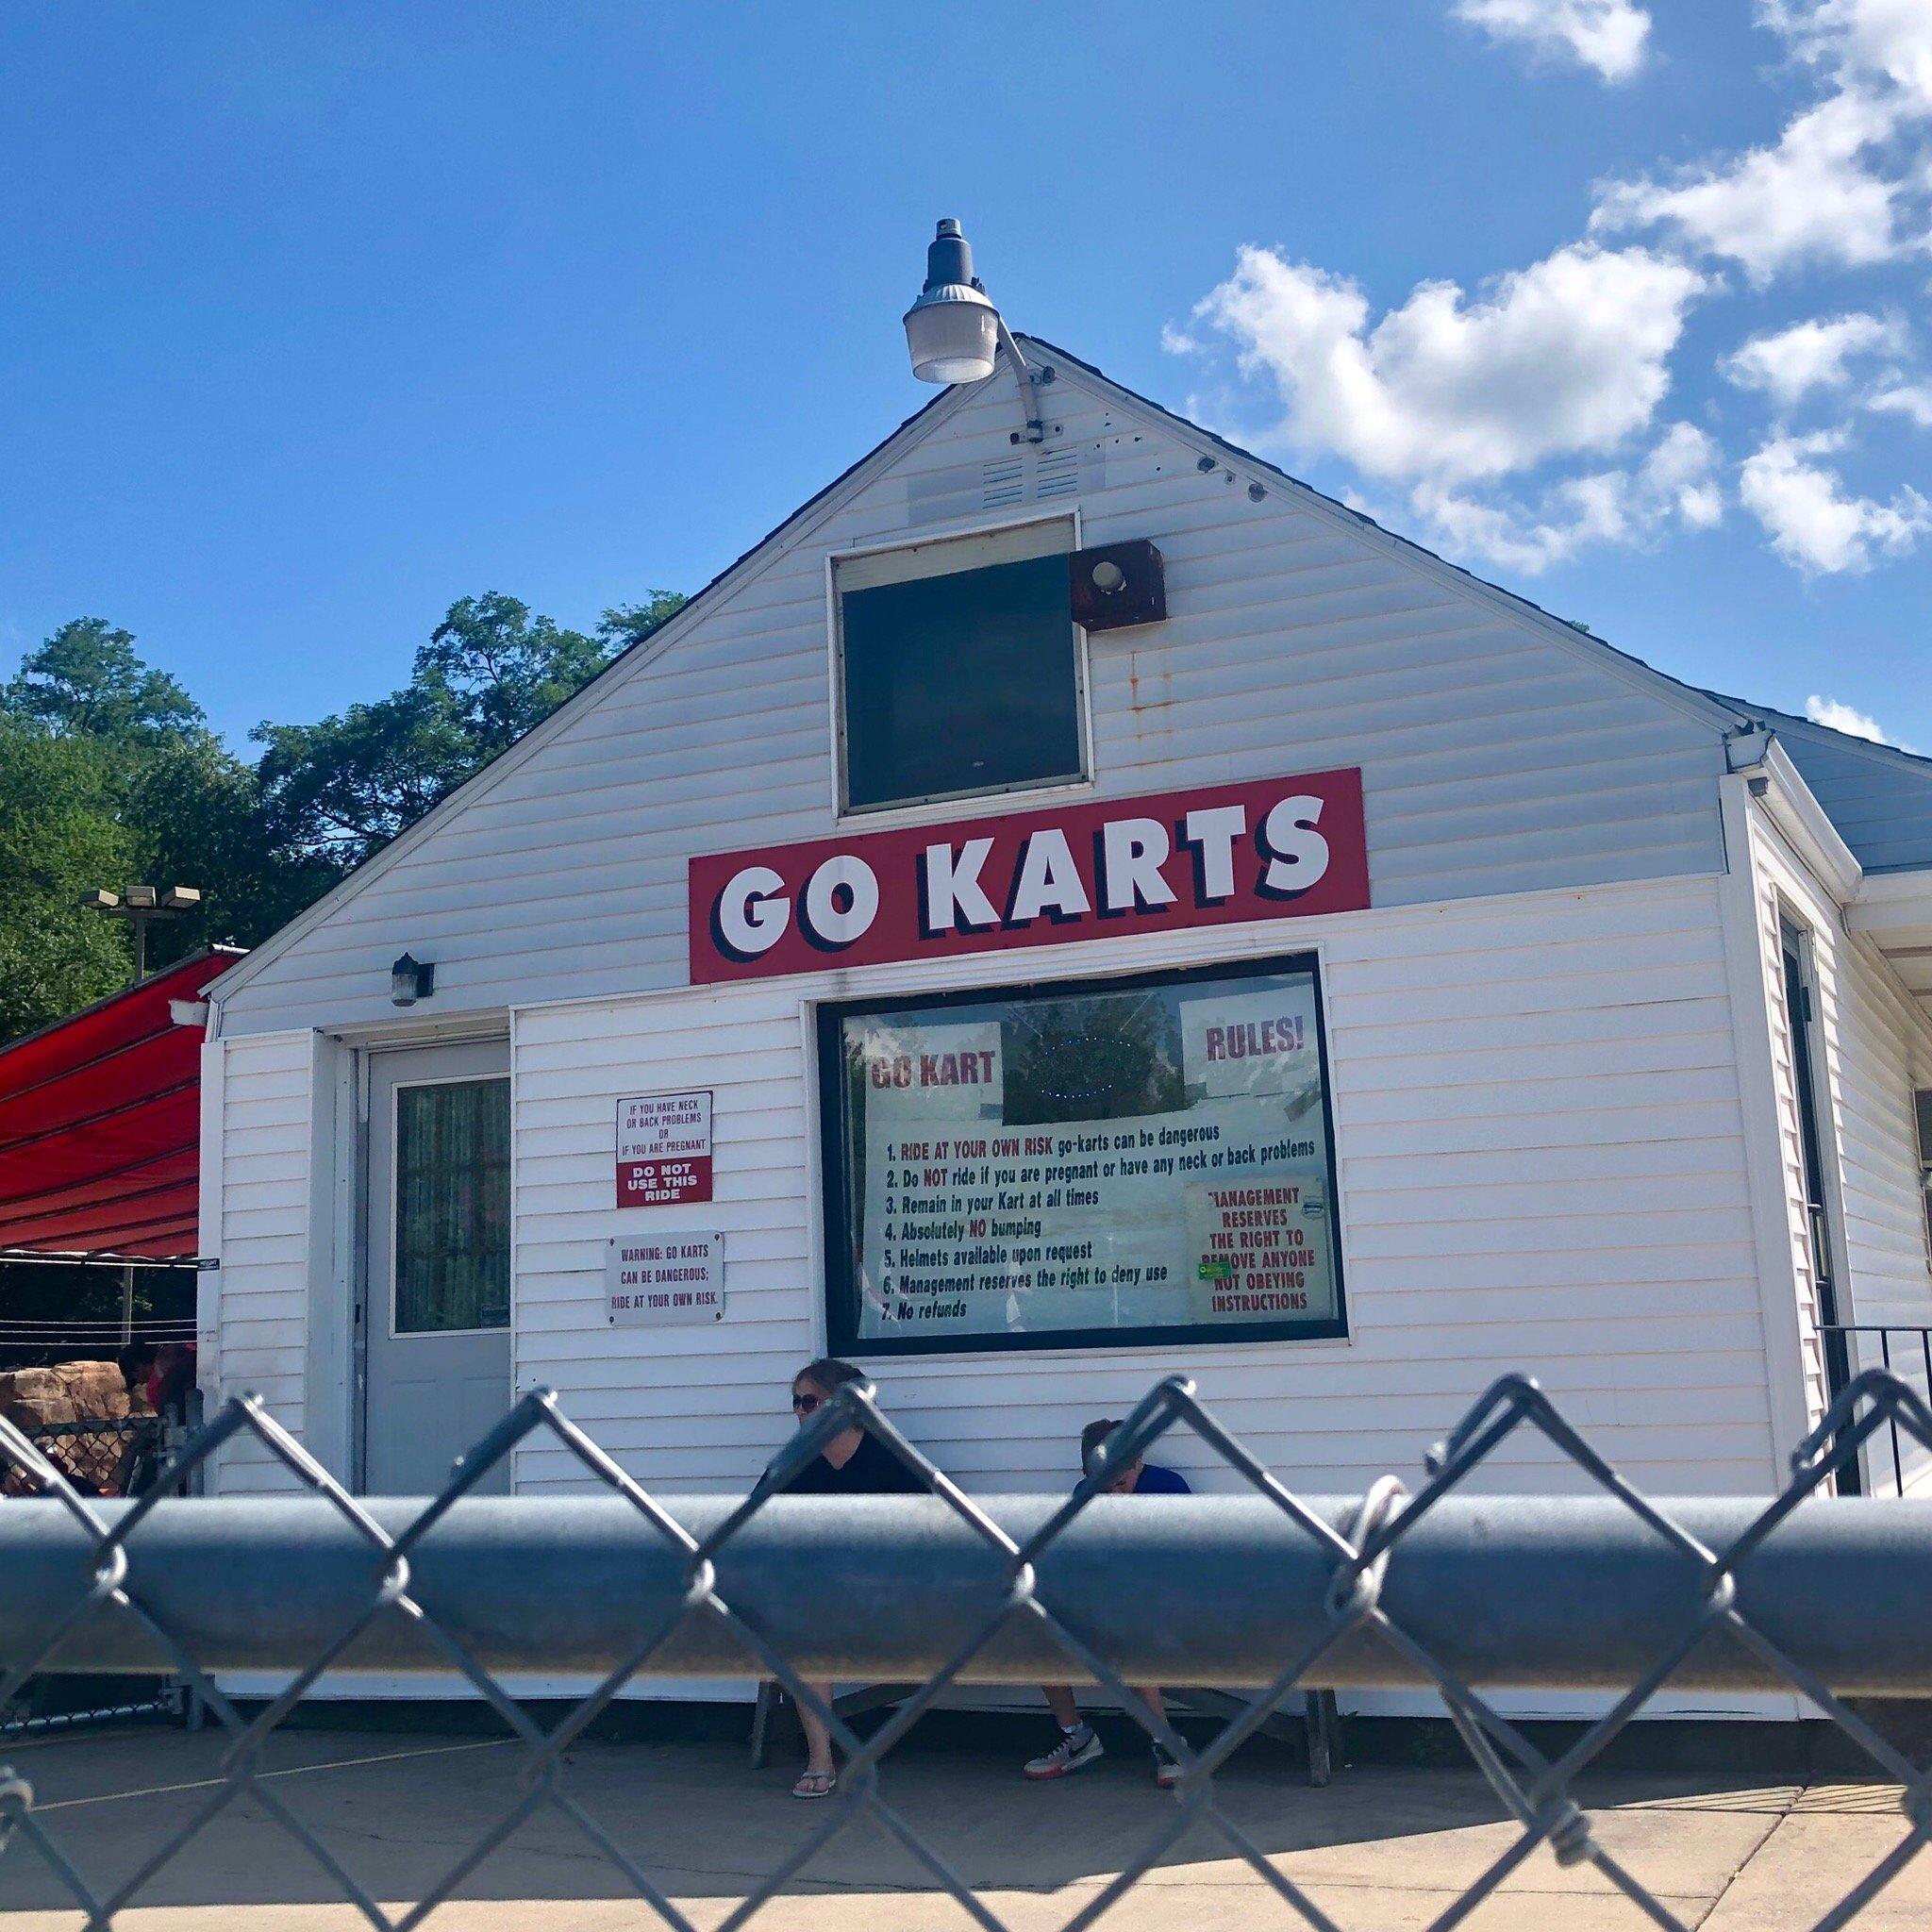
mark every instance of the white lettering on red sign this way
{"type": "Point", "coordinates": [663, 1150]}
{"type": "Point", "coordinates": [1284, 848]}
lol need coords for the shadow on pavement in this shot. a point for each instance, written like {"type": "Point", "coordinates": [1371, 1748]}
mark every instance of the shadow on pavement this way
{"type": "Point", "coordinates": [1381, 1845]}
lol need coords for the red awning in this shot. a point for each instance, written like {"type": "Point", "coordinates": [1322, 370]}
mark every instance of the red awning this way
{"type": "Point", "coordinates": [100, 1125]}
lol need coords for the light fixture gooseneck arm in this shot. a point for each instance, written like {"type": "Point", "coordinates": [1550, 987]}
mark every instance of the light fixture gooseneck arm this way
{"type": "Point", "coordinates": [1029, 381]}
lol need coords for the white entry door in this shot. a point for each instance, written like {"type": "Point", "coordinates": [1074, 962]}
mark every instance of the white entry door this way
{"type": "Point", "coordinates": [438, 1300]}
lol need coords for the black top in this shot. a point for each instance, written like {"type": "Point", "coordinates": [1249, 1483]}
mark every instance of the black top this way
{"type": "Point", "coordinates": [871, 1469]}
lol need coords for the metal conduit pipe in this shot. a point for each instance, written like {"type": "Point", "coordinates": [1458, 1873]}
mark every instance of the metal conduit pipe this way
{"type": "Point", "coordinates": [1503, 1590]}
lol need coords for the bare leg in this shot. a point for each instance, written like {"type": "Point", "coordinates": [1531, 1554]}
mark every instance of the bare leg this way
{"type": "Point", "coordinates": [1150, 1693]}
{"type": "Point", "coordinates": [1059, 1700]}
{"type": "Point", "coordinates": [818, 1740]}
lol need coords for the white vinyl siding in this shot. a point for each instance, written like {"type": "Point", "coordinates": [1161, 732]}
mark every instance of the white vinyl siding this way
{"type": "Point", "coordinates": [1497, 755]}
{"type": "Point", "coordinates": [1871, 1037]}
{"type": "Point", "coordinates": [1542, 1166]}
{"type": "Point", "coordinates": [266, 1086]}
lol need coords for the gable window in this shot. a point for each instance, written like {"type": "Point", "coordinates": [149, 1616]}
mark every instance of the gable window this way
{"type": "Point", "coordinates": [960, 669]}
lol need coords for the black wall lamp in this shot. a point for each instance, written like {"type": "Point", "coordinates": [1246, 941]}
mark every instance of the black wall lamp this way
{"type": "Point", "coordinates": [410, 980]}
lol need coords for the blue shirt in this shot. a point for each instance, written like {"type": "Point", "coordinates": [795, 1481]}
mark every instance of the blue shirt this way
{"type": "Point", "coordinates": [1155, 1481]}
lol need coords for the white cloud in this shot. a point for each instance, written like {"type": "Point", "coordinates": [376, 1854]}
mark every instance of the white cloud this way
{"type": "Point", "coordinates": [1813, 520]}
{"type": "Point", "coordinates": [1840, 717]}
{"type": "Point", "coordinates": [1576, 517]}
{"type": "Point", "coordinates": [1811, 197]}
{"type": "Point", "coordinates": [1605, 35]}
{"type": "Point", "coordinates": [1845, 183]}
{"type": "Point", "coordinates": [1674, 485]}
{"type": "Point", "coordinates": [1565, 357]}
{"type": "Point", "coordinates": [1677, 477]}
{"type": "Point", "coordinates": [1908, 399]}
{"type": "Point", "coordinates": [1791, 362]}
{"type": "Point", "coordinates": [1521, 417]}
{"type": "Point", "coordinates": [1887, 43]}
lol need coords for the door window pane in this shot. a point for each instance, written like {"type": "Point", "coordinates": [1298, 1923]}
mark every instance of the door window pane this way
{"type": "Point", "coordinates": [452, 1223]}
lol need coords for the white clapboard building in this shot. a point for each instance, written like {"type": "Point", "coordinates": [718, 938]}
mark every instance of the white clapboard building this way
{"type": "Point", "coordinates": [1073, 905]}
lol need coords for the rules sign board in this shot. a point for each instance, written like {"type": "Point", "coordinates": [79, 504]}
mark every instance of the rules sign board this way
{"type": "Point", "coordinates": [663, 1150]}
{"type": "Point", "coordinates": [662, 1279]}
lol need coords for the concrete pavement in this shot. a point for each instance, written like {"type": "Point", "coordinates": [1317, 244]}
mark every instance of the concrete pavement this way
{"type": "Point", "coordinates": [1380, 1848]}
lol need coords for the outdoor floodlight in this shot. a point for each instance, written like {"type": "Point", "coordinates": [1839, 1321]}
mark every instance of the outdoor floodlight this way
{"type": "Point", "coordinates": [952, 330]}
{"type": "Point", "coordinates": [410, 980]}
{"type": "Point", "coordinates": [956, 334]}
{"type": "Point", "coordinates": [139, 905]}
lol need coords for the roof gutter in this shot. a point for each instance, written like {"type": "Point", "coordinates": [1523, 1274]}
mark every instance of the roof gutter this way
{"type": "Point", "coordinates": [1895, 907]}
{"type": "Point", "coordinates": [1775, 782]}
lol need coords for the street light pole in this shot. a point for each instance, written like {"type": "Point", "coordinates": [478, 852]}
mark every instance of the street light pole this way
{"type": "Point", "coordinates": [139, 905]}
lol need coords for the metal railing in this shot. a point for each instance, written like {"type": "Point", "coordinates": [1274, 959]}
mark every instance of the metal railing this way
{"type": "Point", "coordinates": [1905, 1350]}
{"type": "Point", "coordinates": [1448, 1588]}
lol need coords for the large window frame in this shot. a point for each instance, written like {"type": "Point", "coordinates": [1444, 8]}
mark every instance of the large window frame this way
{"type": "Point", "coordinates": [966, 547]}
{"type": "Point", "coordinates": [840, 1302]}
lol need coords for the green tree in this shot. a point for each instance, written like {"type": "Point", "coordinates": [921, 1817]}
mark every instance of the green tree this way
{"type": "Point", "coordinates": [627, 625]}
{"type": "Point", "coordinates": [86, 682]}
{"type": "Point", "coordinates": [60, 834]}
{"type": "Point", "coordinates": [1098, 1056]}
{"type": "Point", "coordinates": [196, 815]}
{"type": "Point", "coordinates": [338, 790]}
{"type": "Point", "coordinates": [108, 774]}
{"type": "Point", "coordinates": [497, 671]}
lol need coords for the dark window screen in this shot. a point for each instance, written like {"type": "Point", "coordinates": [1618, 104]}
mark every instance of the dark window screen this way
{"type": "Point", "coordinates": [452, 1224]}
{"type": "Point", "coordinates": [1081, 1165]}
{"type": "Point", "coordinates": [961, 683]}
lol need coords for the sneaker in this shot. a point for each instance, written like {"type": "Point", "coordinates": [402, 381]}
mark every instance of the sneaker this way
{"type": "Point", "coordinates": [1075, 1750]}
{"type": "Point", "coordinates": [1167, 1774]}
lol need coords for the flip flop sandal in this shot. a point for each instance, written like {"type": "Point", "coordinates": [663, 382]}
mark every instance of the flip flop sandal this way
{"type": "Point", "coordinates": [816, 1784]}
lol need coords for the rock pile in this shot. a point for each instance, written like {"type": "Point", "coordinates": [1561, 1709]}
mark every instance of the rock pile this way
{"type": "Point", "coordinates": [68, 1392]}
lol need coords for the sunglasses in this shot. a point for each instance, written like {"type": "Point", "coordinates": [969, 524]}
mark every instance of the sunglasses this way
{"type": "Point", "coordinates": [806, 1404]}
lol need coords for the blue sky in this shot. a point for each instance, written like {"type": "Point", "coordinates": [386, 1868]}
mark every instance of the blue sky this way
{"type": "Point", "coordinates": [314, 318]}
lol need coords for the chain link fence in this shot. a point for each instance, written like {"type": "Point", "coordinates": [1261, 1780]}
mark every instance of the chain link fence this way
{"type": "Point", "coordinates": [1451, 1586]}
{"type": "Point", "coordinates": [101, 1456]}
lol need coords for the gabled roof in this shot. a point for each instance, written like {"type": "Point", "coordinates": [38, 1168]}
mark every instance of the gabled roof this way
{"type": "Point", "coordinates": [660, 639]}
{"type": "Point", "coordinates": [1721, 715]}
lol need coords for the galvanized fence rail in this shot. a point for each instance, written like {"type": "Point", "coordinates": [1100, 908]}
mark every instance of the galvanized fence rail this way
{"type": "Point", "coordinates": [1449, 1586]}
